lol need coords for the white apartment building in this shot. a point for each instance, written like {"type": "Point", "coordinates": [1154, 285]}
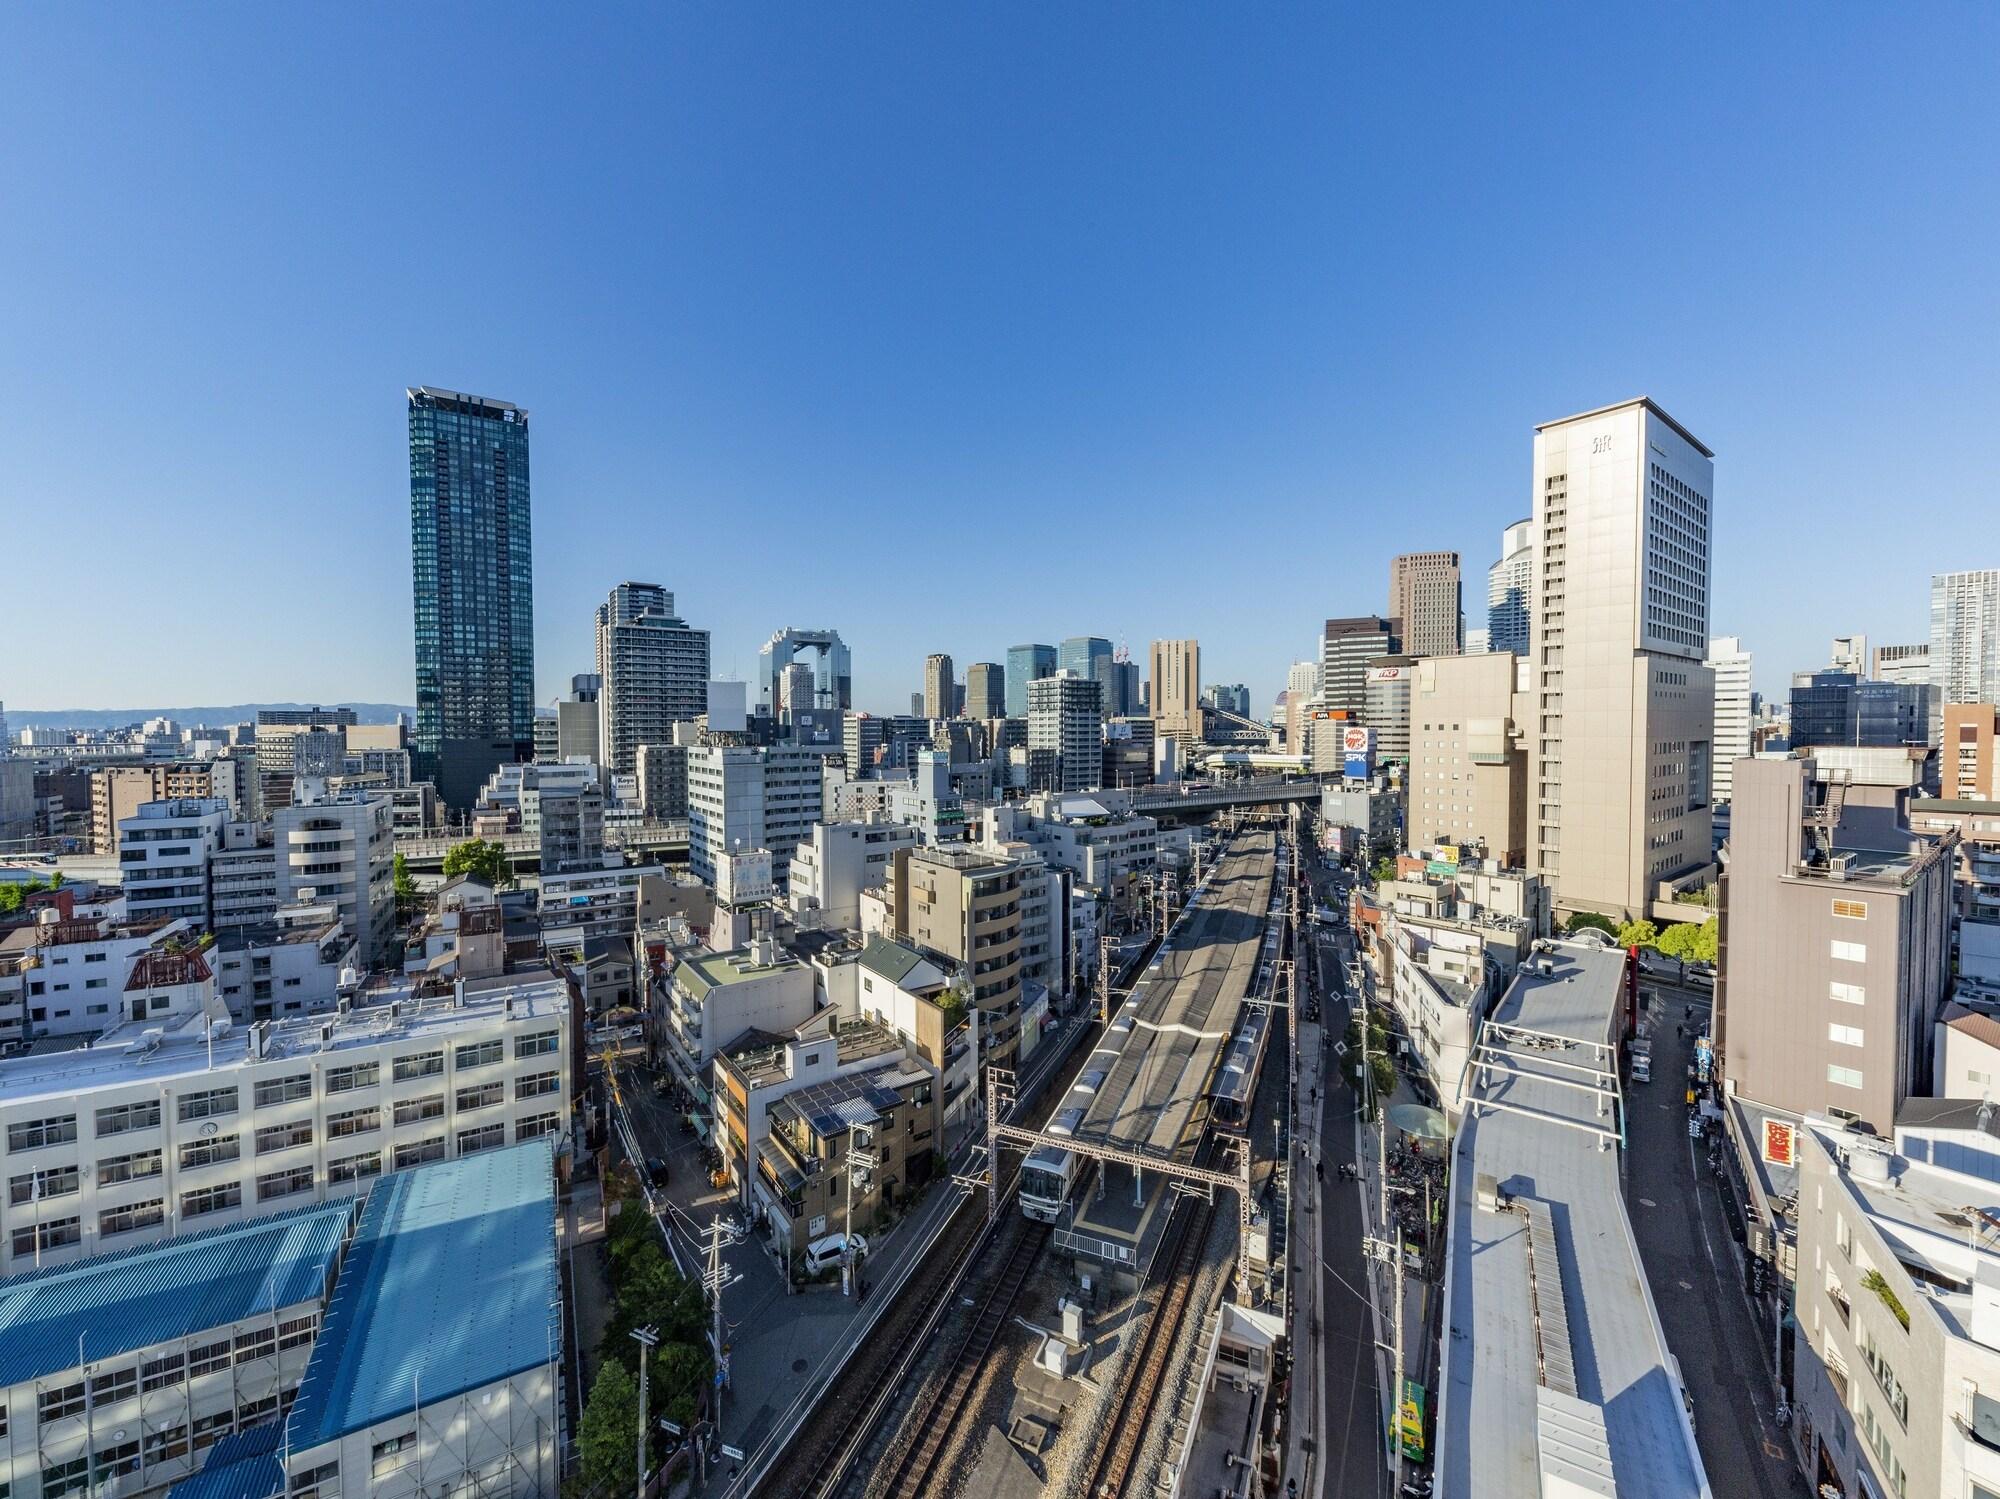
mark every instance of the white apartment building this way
{"type": "Point", "coordinates": [68, 977]}
{"type": "Point", "coordinates": [1965, 636]}
{"type": "Point", "coordinates": [837, 862]}
{"type": "Point", "coordinates": [1098, 838]}
{"type": "Point", "coordinates": [1620, 746]}
{"type": "Point", "coordinates": [342, 849]}
{"type": "Point", "coordinates": [1066, 733]}
{"type": "Point", "coordinates": [243, 877]}
{"type": "Point", "coordinates": [750, 798]}
{"type": "Point", "coordinates": [654, 671]}
{"type": "Point", "coordinates": [1301, 692]}
{"type": "Point", "coordinates": [300, 963]}
{"type": "Point", "coordinates": [707, 1000]}
{"type": "Point", "coordinates": [1897, 1303]}
{"type": "Point", "coordinates": [183, 1122]}
{"type": "Point", "coordinates": [589, 903]}
{"type": "Point", "coordinates": [163, 855]}
{"type": "Point", "coordinates": [1731, 665]}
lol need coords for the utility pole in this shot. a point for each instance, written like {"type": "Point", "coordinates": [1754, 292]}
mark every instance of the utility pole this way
{"type": "Point", "coordinates": [648, 1339]}
{"type": "Point", "coordinates": [1396, 1439]}
{"type": "Point", "coordinates": [861, 1161]}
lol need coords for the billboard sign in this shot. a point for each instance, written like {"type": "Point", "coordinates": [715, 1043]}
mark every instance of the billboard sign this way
{"type": "Point", "coordinates": [1357, 750]}
{"type": "Point", "coordinates": [1781, 1140]}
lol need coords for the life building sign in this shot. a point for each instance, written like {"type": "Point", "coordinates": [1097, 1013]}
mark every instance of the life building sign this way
{"type": "Point", "coordinates": [1357, 752]}
{"type": "Point", "coordinates": [1781, 1142]}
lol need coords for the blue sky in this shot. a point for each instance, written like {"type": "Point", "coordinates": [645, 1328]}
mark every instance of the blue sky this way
{"type": "Point", "coordinates": [957, 326]}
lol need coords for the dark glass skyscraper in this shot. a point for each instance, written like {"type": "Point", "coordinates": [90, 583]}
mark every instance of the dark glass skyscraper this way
{"type": "Point", "coordinates": [473, 569]}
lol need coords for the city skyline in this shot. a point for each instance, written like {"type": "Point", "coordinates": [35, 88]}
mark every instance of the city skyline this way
{"type": "Point", "coordinates": [1151, 356]}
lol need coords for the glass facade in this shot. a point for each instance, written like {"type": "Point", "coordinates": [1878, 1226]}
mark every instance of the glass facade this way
{"type": "Point", "coordinates": [473, 569]}
{"type": "Point", "coordinates": [1025, 664]}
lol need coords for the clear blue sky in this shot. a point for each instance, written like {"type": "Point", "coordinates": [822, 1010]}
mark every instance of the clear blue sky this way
{"type": "Point", "coordinates": [955, 326]}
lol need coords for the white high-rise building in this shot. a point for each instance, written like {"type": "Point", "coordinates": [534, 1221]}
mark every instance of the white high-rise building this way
{"type": "Point", "coordinates": [1065, 733]}
{"type": "Point", "coordinates": [1621, 732]}
{"type": "Point", "coordinates": [1965, 636]}
{"type": "Point", "coordinates": [164, 851]}
{"type": "Point", "coordinates": [1301, 690]}
{"type": "Point", "coordinates": [1731, 665]}
{"type": "Point", "coordinates": [1849, 653]}
{"type": "Point", "coordinates": [740, 799]}
{"type": "Point", "coordinates": [1508, 585]}
{"type": "Point", "coordinates": [654, 670]}
{"type": "Point", "coordinates": [342, 849]}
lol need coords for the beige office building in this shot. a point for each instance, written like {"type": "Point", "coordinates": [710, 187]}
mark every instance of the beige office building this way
{"type": "Point", "coordinates": [1424, 593]}
{"type": "Point", "coordinates": [1835, 943]}
{"type": "Point", "coordinates": [1176, 690]}
{"type": "Point", "coordinates": [1468, 775]}
{"type": "Point", "coordinates": [965, 906]}
{"type": "Point", "coordinates": [1623, 722]}
{"type": "Point", "coordinates": [939, 694]}
{"type": "Point", "coordinates": [117, 792]}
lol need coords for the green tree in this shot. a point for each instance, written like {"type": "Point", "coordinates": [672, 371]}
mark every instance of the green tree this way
{"type": "Point", "coordinates": [1381, 1068]}
{"type": "Point", "coordinates": [1384, 869]}
{"type": "Point", "coordinates": [13, 896]}
{"type": "Point", "coordinates": [1591, 920]}
{"type": "Point", "coordinates": [56, 880]}
{"type": "Point", "coordinates": [1640, 933]}
{"type": "Point", "coordinates": [484, 861]}
{"type": "Point", "coordinates": [606, 1437]}
{"type": "Point", "coordinates": [406, 888]}
{"type": "Point", "coordinates": [681, 1373]}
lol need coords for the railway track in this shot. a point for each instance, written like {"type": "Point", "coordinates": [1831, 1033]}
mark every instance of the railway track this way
{"type": "Point", "coordinates": [1142, 1374]}
{"type": "Point", "coordinates": [935, 1421]}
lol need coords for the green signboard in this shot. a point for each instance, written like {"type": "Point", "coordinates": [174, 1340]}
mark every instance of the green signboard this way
{"type": "Point", "coordinates": [1410, 1421]}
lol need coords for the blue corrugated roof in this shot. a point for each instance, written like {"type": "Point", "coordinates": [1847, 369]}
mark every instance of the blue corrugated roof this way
{"type": "Point", "coordinates": [165, 1291]}
{"type": "Point", "coordinates": [244, 1466]}
{"type": "Point", "coordinates": [450, 1284]}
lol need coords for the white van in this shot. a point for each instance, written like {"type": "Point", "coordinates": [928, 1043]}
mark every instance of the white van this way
{"type": "Point", "coordinates": [824, 1253]}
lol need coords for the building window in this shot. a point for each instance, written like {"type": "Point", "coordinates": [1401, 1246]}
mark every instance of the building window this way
{"type": "Point", "coordinates": [164, 1446]}
{"type": "Point", "coordinates": [1846, 1077]}
{"type": "Point", "coordinates": [387, 1455]}
{"type": "Point", "coordinates": [353, 1122]}
{"type": "Point", "coordinates": [1852, 910]}
{"type": "Point", "coordinates": [347, 1079]}
{"type": "Point", "coordinates": [1846, 1035]}
{"type": "Point", "coordinates": [284, 1136]}
{"type": "Point", "coordinates": [535, 1084]}
{"type": "Point", "coordinates": [163, 1373]}
{"type": "Point", "coordinates": [486, 1137]}
{"type": "Point", "coordinates": [66, 1400]}
{"type": "Point", "coordinates": [34, 1134]}
{"type": "Point", "coordinates": [127, 1116]}
{"type": "Point", "coordinates": [39, 1186]}
{"type": "Point", "coordinates": [286, 1183]}
{"type": "Point", "coordinates": [354, 1168]}
{"type": "Point", "coordinates": [261, 1342]}
{"type": "Point", "coordinates": [547, 1043]}
{"type": "Point", "coordinates": [66, 1478]}
{"type": "Point", "coordinates": [204, 1200]}
{"type": "Point", "coordinates": [125, 1168]}
{"type": "Point", "coordinates": [207, 1105]}
{"type": "Point", "coordinates": [298, 1332]}
{"type": "Point", "coordinates": [1847, 994]}
{"type": "Point", "coordinates": [57, 1233]}
{"type": "Point", "coordinates": [483, 1096]}
{"type": "Point", "coordinates": [117, 1385]}
{"type": "Point", "coordinates": [423, 1064]}
{"type": "Point", "coordinates": [209, 1358]}
{"type": "Point", "coordinates": [481, 1054]}
{"type": "Point", "coordinates": [311, 1483]}
{"type": "Point", "coordinates": [417, 1110]}
{"type": "Point", "coordinates": [211, 1152]}
{"type": "Point", "coordinates": [284, 1089]}
{"type": "Point", "coordinates": [1850, 952]}
{"type": "Point", "coordinates": [137, 1215]}
{"type": "Point", "coordinates": [417, 1152]}
{"type": "Point", "coordinates": [535, 1125]}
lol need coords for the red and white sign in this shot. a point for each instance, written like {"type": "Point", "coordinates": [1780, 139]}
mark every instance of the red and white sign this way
{"type": "Point", "coordinates": [1354, 741]}
{"type": "Point", "coordinates": [1781, 1142]}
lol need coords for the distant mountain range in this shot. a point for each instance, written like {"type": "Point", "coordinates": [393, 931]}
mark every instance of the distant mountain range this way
{"type": "Point", "coordinates": [234, 713]}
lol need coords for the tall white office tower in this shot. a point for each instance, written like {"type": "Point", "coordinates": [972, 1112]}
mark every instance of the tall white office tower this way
{"type": "Point", "coordinates": [1731, 665]}
{"type": "Point", "coordinates": [1508, 583]}
{"type": "Point", "coordinates": [1624, 712]}
{"type": "Point", "coordinates": [1965, 636]}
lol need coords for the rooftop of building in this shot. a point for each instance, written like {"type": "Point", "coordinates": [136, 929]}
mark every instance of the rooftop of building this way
{"type": "Point", "coordinates": [963, 858]}
{"type": "Point", "coordinates": [136, 1053]}
{"type": "Point", "coordinates": [166, 967]}
{"type": "Point", "coordinates": [758, 1056]}
{"type": "Point", "coordinates": [450, 1285]}
{"type": "Point", "coordinates": [243, 1465]}
{"type": "Point", "coordinates": [452, 400]}
{"type": "Point", "coordinates": [703, 972]}
{"type": "Point", "coordinates": [890, 959]}
{"type": "Point", "coordinates": [1650, 404]}
{"type": "Point", "coordinates": [839, 1104]}
{"type": "Point", "coordinates": [165, 1291]}
{"type": "Point", "coordinates": [1570, 1353]}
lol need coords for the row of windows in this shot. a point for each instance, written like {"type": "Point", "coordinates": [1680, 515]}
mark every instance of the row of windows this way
{"type": "Point", "coordinates": [36, 1134]}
